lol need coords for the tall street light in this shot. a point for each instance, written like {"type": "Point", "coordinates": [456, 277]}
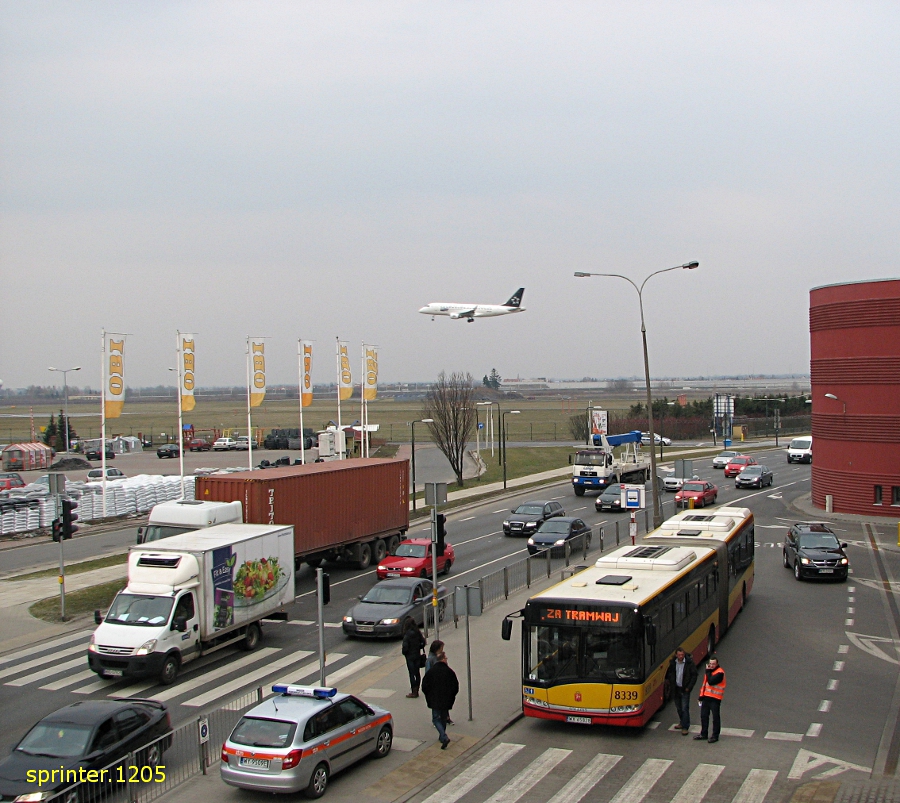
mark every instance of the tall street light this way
{"type": "Point", "coordinates": [832, 396]}
{"type": "Point", "coordinates": [503, 440]}
{"type": "Point", "coordinates": [413, 425]}
{"type": "Point", "coordinates": [64, 372]}
{"type": "Point", "coordinates": [657, 513]}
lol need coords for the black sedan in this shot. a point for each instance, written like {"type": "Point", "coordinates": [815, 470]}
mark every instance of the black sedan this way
{"type": "Point", "coordinates": [93, 453]}
{"type": "Point", "coordinates": [168, 450]}
{"type": "Point", "coordinates": [610, 499]}
{"type": "Point", "coordinates": [527, 517]}
{"type": "Point", "coordinates": [82, 739]}
{"type": "Point", "coordinates": [811, 549]}
{"type": "Point", "coordinates": [382, 610]}
{"type": "Point", "coordinates": [754, 477]}
{"type": "Point", "coordinates": [554, 534]}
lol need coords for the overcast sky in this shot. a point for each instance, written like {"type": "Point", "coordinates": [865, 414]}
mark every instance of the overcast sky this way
{"type": "Point", "coordinates": [297, 169]}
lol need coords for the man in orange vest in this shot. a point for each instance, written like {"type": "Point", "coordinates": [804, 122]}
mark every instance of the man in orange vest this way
{"type": "Point", "coordinates": [712, 690]}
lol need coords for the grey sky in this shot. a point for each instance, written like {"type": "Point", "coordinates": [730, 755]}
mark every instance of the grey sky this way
{"type": "Point", "coordinates": [320, 169]}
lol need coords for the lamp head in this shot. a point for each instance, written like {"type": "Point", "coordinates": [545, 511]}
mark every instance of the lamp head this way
{"type": "Point", "coordinates": [690, 265]}
{"type": "Point", "coordinates": [581, 275]}
{"type": "Point", "coordinates": [831, 396]}
{"type": "Point", "coordinates": [427, 421]}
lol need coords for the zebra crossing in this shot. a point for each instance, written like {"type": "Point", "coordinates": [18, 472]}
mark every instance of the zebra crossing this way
{"type": "Point", "coordinates": [63, 667]}
{"type": "Point", "coordinates": [557, 775]}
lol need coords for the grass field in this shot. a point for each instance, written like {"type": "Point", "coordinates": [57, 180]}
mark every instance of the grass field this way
{"type": "Point", "coordinates": [77, 602]}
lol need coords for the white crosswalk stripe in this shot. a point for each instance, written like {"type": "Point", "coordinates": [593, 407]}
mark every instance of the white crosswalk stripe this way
{"type": "Point", "coordinates": [42, 661]}
{"type": "Point", "coordinates": [697, 785]}
{"type": "Point", "coordinates": [530, 776]}
{"type": "Point", "coordinates": [49, 671]}
{"type": "Point", "coordinates": [638, 786]}
{"type": "Point", "coordinates": [205, 677]}
{"type": "Point", "coordinates": [474, 775]}
{"type": "Point", "coordinates": [586, 779]}
{"type": "Point", "coordinates": [15, 657]}
{"type": "Point", "coordinates": [70, 680]}
{"type": "Point", "coordinates": [755, 787]}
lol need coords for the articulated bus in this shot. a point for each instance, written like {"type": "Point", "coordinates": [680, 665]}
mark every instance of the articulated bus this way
{"type": "Point", "coordinates": [596, 647]}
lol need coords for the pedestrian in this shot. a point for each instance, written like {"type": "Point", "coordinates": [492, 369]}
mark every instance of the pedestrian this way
{"type": "Point", "coordinates": [437, 646]}
{"type": "Point", "coordinates": [440, 687]}
{"type": "Point", "coordinates": [413, 650]}
{"type": "Point", "coordinates": [712, 690]}
{"type": "Point", "coordinates": [681, 676]}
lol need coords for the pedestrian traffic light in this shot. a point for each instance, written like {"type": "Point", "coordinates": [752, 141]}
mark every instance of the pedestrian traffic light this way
{"type": "Point", "coordinates": [441, 534]}
{"type": "Point", "coordinates": [69, 516]}
{"type": "Point", "coordinates": [57, 529]}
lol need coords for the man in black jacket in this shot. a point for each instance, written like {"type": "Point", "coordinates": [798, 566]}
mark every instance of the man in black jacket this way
{"type": "Point", "coordinates": [440, 687]}
{"type": "Point", "coordinates": [681, 677]}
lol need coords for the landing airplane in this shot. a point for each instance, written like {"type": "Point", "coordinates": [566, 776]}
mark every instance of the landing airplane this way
{"type": "Point", "coordinates": [472, 311]}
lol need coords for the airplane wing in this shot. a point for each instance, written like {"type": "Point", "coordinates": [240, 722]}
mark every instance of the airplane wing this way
{"type": "Point", "coordinates": [465, 313]}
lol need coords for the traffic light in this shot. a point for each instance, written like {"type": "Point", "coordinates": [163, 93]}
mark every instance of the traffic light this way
{"type": "Point", "coordinates": [69, 516]}
{"type": "Point", "coordinates": [326, 588]}
{"type": "Point", "coordinates": [57, 529]}
{"type": "Point", "coordinates": [441, 534]}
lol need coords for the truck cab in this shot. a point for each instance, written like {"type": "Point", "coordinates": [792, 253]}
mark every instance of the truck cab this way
{"type": "Point", "coordinates": [186, 515]}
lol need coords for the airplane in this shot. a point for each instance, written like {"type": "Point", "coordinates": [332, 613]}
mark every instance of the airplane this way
{"type": "Point", "coordinates": [472, 311]}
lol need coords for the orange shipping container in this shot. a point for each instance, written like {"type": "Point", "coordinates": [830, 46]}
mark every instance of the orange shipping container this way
{"type": "Point", "coordinates": [337, 508]}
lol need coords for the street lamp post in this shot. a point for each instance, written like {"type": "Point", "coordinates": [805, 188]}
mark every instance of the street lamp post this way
{"type": "Point", "coordinates": [490, 418]}
{"type": "Point", "coordinates": [64, 372]}
{"type": "Point", "coordinates": [503, 440]}
{"type": "Point", "coordinates": [413, 458]}
{"type": "Point", "coordinates": [657, 514]}
{"type": "Point", "coordinates": [832, 396]}
{"type": "Point", "coordinates": [766, 399]}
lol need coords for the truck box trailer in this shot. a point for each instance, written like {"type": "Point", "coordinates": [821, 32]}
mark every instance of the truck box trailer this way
{"type": "Point", "coordinates": [355, 511]}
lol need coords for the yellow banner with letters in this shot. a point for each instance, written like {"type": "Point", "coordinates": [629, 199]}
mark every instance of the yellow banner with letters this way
{"type": "Point", "coordinates": [257, 350]}
{"type": "Point", "coordinates": [370, 380]}
{"type": "Point", "coordinates": [345, 379]}
{"type": "Point", "coordinates": [306, 356]}
{"type": "Point", "coordinates": [186, 355]}
{"type": "Point", "coordinates": [114, 392]}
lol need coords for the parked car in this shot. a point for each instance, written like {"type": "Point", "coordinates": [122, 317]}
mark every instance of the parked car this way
{"type": "Point", "coordinates": [199, 445]}
{"type": "Point", "coordinates": [737, 464]}
{"type": "Point", "coordinates": [527, 516]}
{"type": "Point", "coordinates": [722, 458]}
{"type": "Point", "coordinates": [812, 549]}
{"type": "Point", "coordinates": [11, 479]}
{"type": "Point", "coordinates": [610, 499]}
{"type": "Point", "coordinates": [168, 450]}
{"type": "Point", "coordinates": [412, 558]}
{"type": "Point", "coordinates": [381, 611]}
{"type": "Point", "coordinates": [702, 492]}
{"type": "Point", "coordinates": [84, 736]}
{"type": "Point", "coordinates": [93, 453]}
{"type": "Point", "coordinates": [242, 443]}
{"type": "Point", "coordinates": [800, 450]}
{"type": "Point", "coordinates": [224, 445]}
{"type": "Point", "coordinates": [757, 476]}
{"type": "Point", "coordinates": [554, 533]}
{"type": "Point", "coordinates": [112, 475]}
{"type": "Point", "coordinates": [295, 741]}
{"type": "Point", "coordinates": [657, 439]}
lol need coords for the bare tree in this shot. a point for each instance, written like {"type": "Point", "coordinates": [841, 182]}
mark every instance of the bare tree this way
{"type": "Point", "coordinates": [451, 403]}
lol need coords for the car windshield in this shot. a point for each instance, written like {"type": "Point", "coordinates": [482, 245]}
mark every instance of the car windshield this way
{"type": "Point", "coordinates": [728, 455]}
{"type": "Point", "coordinates": [140, 610]}
{"type": "Point", "coordinates": [692, 486]}
{"type": "Point", "coordinates": [56, 740]}
{"type": "Point", "coordinates": [800, 443]}
{"type": "Point", "coordinates": [590, 459]}
{"type": "Point", "coordinates": [819, 541]}
{"type": "Point", "coordinates": [258, 732]}
{"type": "Point", "coordinates": [739, 461]}
{"type": "Point", "coordinates": [752, 470]}
{"type": "Point", "coordinates": [613, 492]}
{"type": "Point", "coordinates": [568, 653]}
{"type": "Point", "coordinates": [387, 595]}
{"type": "Point", "coordinates": [552, 526]}
{"type": "Point", "coordinates": [530, 509]}
{"type": "Point", "coordinates": [411, 551]}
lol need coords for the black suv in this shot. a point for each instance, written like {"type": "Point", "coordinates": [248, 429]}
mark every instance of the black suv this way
{"type": "Point", "coordinates": [527, 517]}
{"type": "Point", "coordinates": [811, 549]}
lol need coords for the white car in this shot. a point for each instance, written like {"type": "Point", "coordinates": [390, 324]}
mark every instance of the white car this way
{"type": "Point", "coordinates": [722, 458]}
{"type": "Point", "coordinates": [225, 445]}
{"type": "Point", "coordinates": [242, 444]}
{"type": "Point", "coordinates": [112, 475]}
{"type": "Point", "coordinates": [657, 439]}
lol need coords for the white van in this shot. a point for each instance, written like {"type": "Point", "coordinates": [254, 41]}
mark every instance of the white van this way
{"type": "Point", "coordinates": [800, 450]}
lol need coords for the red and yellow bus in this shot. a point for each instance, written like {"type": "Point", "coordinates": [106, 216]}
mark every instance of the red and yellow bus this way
{"type": "Point", "coordinates": [596, 647]}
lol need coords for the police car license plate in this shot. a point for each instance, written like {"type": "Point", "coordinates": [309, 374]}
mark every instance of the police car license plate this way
{"type": "Point", "coordinates": [113, 673]}
{"type": "Point", "coordinates": [258, 763]}
{"type": "Point", "coordinates": [826, 571]}
{"type": "Point", "coordinates": [579, 720]}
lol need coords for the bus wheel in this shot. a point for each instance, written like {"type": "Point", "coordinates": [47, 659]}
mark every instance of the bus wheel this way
{"type": "Point", "coordinates": [711, 640]}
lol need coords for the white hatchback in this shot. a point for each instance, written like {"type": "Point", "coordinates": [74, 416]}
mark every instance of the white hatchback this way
{"type": "Point", "coordinates": [224, 445]}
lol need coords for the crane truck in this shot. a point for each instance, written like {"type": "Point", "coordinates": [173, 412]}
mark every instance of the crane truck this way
{"type": "Point", "coordinates": [595, 469]}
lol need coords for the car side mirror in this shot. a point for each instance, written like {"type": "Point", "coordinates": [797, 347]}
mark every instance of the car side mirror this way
{"type": "Point", "coordinates": [360, 597]}
{"type": "Point", "coordinates": [179, 624]}
{"type": "Point", "coordinates": [98, 619]}
{"type": "Point", "coordinates": [843, 546]}
{"type": "Point", "coordinates": [506, 629]}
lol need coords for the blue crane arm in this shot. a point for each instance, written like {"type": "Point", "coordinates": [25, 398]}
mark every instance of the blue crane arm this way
{"type": "Point", "coordinates": [618, 440]}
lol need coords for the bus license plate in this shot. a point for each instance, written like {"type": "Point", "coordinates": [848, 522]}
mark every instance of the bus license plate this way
{"type": "Point", "coordinates": [579, 720]}
{"type": "Point", "coordinates": [258, 763]}
{"type": "Point", "coordinates": [826, 571]}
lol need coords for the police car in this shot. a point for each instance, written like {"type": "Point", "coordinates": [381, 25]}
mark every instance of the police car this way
{"type": "Point", "coordinates": [295, 740]}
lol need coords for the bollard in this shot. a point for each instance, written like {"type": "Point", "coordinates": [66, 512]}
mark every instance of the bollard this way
{"type": "Point", "coordinates": [567, 551]}
{"type": "Point", "coordinates": [528, 572]}
{"type": "Point", "coordinates": [617, 533]}
{"type": "Point", "coordinates": [601, 539]}
{"type": "Point", "coordinates": [259, 694]}
{"type": "Point", "coordinates": [584, 547]}
{"type": "Point", "coordinates": [548, 563]}
{"type": "Point", "coordinates": [505, 583]}
{"type": "Point", "coordinates": [646, 520]}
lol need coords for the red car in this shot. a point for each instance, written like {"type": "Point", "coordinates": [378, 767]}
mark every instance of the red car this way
{"type": "Point", "coordinates": [413, 559]}
{"type": "Point", "coordinates": [199, 445]}
{"type": "Point", "coordinates": [737, 464]}
{"type": "Point", "coordinates": [703, 493]}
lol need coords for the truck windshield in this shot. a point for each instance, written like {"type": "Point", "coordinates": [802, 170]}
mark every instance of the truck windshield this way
{"type": "Point", "coordinates": [141, 610]}
{"type": "Point", "coordinates": [153, 532]}
{"type": "Point", "coordinates": [590, 458]}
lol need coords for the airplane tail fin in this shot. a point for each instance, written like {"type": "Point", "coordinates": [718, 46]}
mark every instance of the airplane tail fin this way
{"type": "Point", "coordinates": [516, 298]}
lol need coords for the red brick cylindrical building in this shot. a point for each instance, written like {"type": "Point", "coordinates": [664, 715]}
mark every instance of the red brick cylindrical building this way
{"type": "Point", "coordinates": [855, 376]}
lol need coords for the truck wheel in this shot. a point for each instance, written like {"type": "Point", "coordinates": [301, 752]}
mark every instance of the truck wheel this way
{"type": "Point", "coordinates": [392, 543]}
{"type": "Point", "coordinates": [252, 638]}
{"type": "Point", "coordinates": [365, 557]}
{"type": "Point", "coordinates": [379, 548]}
{"type": "Point", "coordinates": [169, 671]}
{"type": "Point", "coordinates": [579, 490]}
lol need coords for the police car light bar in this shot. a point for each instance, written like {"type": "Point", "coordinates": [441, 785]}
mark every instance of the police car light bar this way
{"type": "Point", "coordinates": [304, 691]}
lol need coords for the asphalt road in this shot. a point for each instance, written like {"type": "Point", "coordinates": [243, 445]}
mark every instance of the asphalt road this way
{"type": "Point", "coordinates": [793, 657]}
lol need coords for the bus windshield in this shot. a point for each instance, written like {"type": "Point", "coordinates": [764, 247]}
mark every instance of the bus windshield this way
{"type": "Point", "coordinates": [561, 653]}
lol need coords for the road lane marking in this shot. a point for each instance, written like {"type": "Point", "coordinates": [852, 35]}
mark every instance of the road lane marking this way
{"type": "Point", "coordinates": [638, 786]}
{"type": "Point", "coordinates": [781, 736]}
{"type": "Point", "coordinates": [825, 706]}
{"type": "Point", "coordinates": [843, 649]}
{"type": "Point", "coordinates": [832, 685]}
{"type": "Point", "coordinates": [528, 778]}
{"type": "Point", "coordinates": [71, 680]}
{"type": "Point", "coordinates": [47, 645]}
{"type": "Point", "coordinates": [203, 678]}
{"type": "Point", "coordinates": [697, 785]}
{"type": "Point", "coordinates": [838, 666]}
{"type": "Point", "coordinates": [755, 787]}
{"type": "Point", "coordinates": [815, 729]}
{"type": "Point", "coordinates": [586, 778]}
{"type": "Point", "coordinates": [468, 518]}
{"type": "Point", "coordinates": [474, 775]}
{"type": "Point", "coordinates": [45, 673]}
{"type": "Point", "coordinates": [505, 510]}
{"type": "Point", "coordinates": [15, 670]}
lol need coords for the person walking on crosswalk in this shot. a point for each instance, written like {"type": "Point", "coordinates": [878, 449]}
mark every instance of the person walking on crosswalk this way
{"type": "Point", "coordinates": [681, 676]}
{"type": "Point", "coordinates": [712, 690]}
{"type": "Point", "coordinates": [440, 687]}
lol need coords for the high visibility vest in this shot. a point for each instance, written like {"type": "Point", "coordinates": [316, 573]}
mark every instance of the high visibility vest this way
{"type": "Point", "coordinates": [717, 692]}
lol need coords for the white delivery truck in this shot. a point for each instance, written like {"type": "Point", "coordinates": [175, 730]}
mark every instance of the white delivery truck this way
{"type": "Point", "coordinates": [185, 515]}
{"type": "Point", "coordinates": [192, 594]}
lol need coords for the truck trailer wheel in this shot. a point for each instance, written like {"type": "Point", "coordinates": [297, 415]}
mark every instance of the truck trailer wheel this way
{"type": "Point", "coordinates": [392, 543]}
{"type": "Point", "coordinates": [379, 549]}
{"type": "Point", "coordinates": [251, 638]}
{"type": "Point", "coordinates": [169, 671]}
{"type": "Point", "coordinates": [365, 557]}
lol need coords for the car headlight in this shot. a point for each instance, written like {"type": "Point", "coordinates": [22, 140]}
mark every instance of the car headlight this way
{"type": "Point", "coordinates": [408, 569]}
{"type": "Point", "coordinates": [844, 561]}
{"type": "Point", "coordinates": [390, 621]}
{"type": "Point", "coordinates": [506, 523]}
{"type": "Point", "coordinates": [530, 542]}
{"type": "Point", "coordinates": [92, 645]}
{"type": "Point", "coordinates": [530, 525]}
{"type": "Point", "coordinates": [805, 561]}
{"type": "Point", "coordinates": [30, 797]}
{"type": "Point", "coordinates": [561, 542]}
{"type": "Point", "coordinates": [146, 648]}
{"type": "Point", "coordinates": [382, 568]}
{"type": "Point", "coordinates": [348, 620]}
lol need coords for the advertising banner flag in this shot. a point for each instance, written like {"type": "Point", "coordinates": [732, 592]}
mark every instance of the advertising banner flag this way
{"type": "Point", "coordinates": [114, 385]}
{"type": "Point", "coordinates": [345, 380]}
{"type": "Point", "coordinates": [186, 355]}
{"type": "Point", "coordinates": [306, 388]}
{"type": "Point", "coordinates": [257, 351]}
{"type": "Point", "coordinates": [370, 380]}
{"type": "Point", "coordinates": [599, 422]}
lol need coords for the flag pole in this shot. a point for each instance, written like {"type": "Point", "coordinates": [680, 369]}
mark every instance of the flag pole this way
{"type": "Point", "coordinates": [249, 424]}
{"type": "Point", "coordinates": [340, 429]}
{"type": "Point", "coordinates": [103, 413]}
{"type": "Point", "coordinates": [300, 358]}
{"type": "Point", "coordinates": [179, 353]}
{"type": "Point", "coordinates": [362, 403]}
